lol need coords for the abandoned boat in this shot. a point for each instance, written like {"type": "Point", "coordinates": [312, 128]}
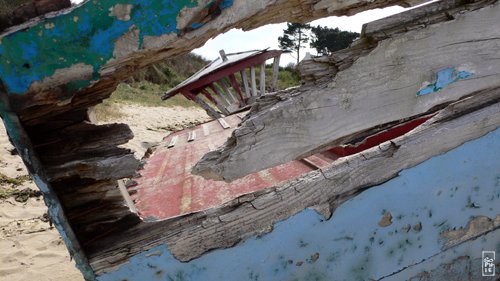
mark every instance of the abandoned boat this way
{"type": "Point", "coordinates": [382, 165]}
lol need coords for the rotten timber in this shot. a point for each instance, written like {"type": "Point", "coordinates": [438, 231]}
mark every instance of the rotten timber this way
{"type": "Point", "coordinates": [109, 233]}
{"type": "Point", "coordinates": [20, 12]}
{"type": "Point", "coordinates": [324, 190]}
{"type": "Point", "coordinates": [39, 100]}
{"type": "Point", "coordinates": [405, 75]}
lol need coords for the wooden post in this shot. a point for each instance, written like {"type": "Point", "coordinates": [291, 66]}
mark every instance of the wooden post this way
{"type": "Point", "coordinates": [254, 84]}
{"type": "Point", "coordinates": [126, 196]}
{"type": "Point", "coordinates": [262, 79]}
{"type": "Point", "coordinates": [237, 88]}
{"type": "Point", "coordinates": [214, 99]}
{"type": "Point", "coordinates": [208, 96]}
{"type": "Point", "coordinates": [223, 99]}
{"type": "Point", "coordinates": [276, 69]}
{"type": "Point", "coordinates": [223, 55]}
{"type": "Point", "coordinates": [226, 90]}
{"type": "Point", "coordinates": [244, 78]}
{"type": "Point", "coordinates": [210, 111]}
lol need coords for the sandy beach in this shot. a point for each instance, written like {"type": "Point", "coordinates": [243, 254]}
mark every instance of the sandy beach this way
{"type": "Point", "coordinates": [30, 249]}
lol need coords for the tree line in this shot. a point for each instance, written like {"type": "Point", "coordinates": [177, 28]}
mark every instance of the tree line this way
{"type": "Point", "coordinates": [324, 39]}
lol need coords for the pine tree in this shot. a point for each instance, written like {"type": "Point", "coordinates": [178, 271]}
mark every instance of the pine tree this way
{"type": "Point", "coordinates": [294, 38]}
{"type": "Point", "coordinates": [328, 40]}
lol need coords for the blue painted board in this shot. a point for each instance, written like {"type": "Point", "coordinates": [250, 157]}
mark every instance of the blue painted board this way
{"type": "Point", "coordinates": [441, 193]}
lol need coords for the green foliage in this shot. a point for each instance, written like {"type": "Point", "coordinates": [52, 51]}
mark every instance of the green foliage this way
{"type": "Point", "coordinates": [294, 38]}
{"type": "Point", "coordinates": [148, 85]}
{"type": "Point", "coordinates": [13, 181]}
{"type": "Point", "coordinates": [287, 77]}
{"type": "Point", "coordinates": [148, 94]}
{"type": "Point", "coordinates": [19, 195]}
{"type": "Point", "coordinates": [7, 192]}
{"type": "Point", "coordinates": [171, 72]}
{"type": "Point", "coordinates": [328, 40]}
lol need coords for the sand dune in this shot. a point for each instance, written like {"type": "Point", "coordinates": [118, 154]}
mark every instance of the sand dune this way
{"type": "Point", "coordinates": [30, 249]}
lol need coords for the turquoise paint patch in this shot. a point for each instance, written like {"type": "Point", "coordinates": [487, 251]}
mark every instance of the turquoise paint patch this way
{"type": "Point", "coordinates": [101, 42]}
{"type": "Point", "coordinates": [226, 4]}
{"type": "Point", "coordinates": [196, 25]}
{"type": "Point", "coordinates": [444, 78]}
{"type": "Point", "coordinates": [86, 35]}
{"type": "Point", "coordinates": [351, 245]}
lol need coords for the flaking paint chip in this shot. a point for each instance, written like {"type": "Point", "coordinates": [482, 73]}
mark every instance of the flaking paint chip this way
{"type": "Point", "coordinates": [386, 220]}
{"type": "Point", "coordinates": [121, 11]}
{"type": "Point", "coordinates": [417, 227]}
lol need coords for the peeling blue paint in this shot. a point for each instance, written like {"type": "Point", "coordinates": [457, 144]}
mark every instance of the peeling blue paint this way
{"type": "Point", "coordinates": [86, 35]}
{"type": "Point", "coordinates": [444, 78]}
{"type": "Point", "coordinates": [351, 245]}
{"type": "Point", "coordinates": [226, 4]}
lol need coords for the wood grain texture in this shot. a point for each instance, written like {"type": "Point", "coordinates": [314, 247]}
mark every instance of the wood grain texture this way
{"type": "Point", "coordinates": [190, 236]}
{"type": "Point", "coordinates": [274, 78]}
{"type": "Point", "coordinates": [19, 12]}
{"type": "Point", "coordinates": [378, 88]}
{"type": "Point", "coordinates": [44, 99]}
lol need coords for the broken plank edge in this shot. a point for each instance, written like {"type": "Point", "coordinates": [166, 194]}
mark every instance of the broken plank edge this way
{"type": "Point", "coordinates": [191, 236]}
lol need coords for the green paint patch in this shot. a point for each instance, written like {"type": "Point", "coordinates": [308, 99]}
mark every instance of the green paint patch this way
{"type": "Point", "coordinates": [86, 35]}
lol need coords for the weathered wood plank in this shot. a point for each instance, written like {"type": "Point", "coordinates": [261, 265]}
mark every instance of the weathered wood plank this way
{"type": "Point", "coordinates": [254, 83]}
{"type": "Point", "coordinates": [219, 105]}
{"type": "Point", "coordinates": [404, 76]}
{"type": "Point", "coordinates": [319, 70]}
{"type": "Point", "coordinates": [276, 69]}
{"type": "Point", "coordinates": [225, 89]}
{"type": "Point", "coordinates": [172, 142]}
{"type": "Point", "coordinates": [198, 99]}
{"type": "Point", "coordinates": [417, 18]}
{"type": "Point", "coordinates": [85, 192]}
{"type": "Point", "coordinates": [237, 88]}
{"type": "Point", "coordinates": [262, 79]}
{"type": "Point", "coordinates": [221, 93]}
{"type": "Point", "coordinates": [210, 111]}
{"type": "Point", "coordinates": [21, 140]}
{"type": "Point", "coordinates": [191, 136]}
{"type": "Point", "coordinates": [81, 141]}
{"type": "Point", "coordinates": [126, 196]}
{"type": "Point", "coordinates": [191, 236]}
{"type": "Point", "coordinates": [99, 168]}
{"type": "Point", "coordinates": [223, 123]}
{"type": "Point", "coordinates": [221, 101]}
{"type": "Point", "coordinates": [244, 78]}
{"type": "Point", "coordinates": [56, 88]}
{"type": "Point", "coordinates": [18, 12]}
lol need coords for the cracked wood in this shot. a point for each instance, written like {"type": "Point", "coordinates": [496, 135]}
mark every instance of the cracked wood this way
{"type": "Point", "coordinates": [190, 236]}
{"type": "Point", "coordinates": [378, 88]}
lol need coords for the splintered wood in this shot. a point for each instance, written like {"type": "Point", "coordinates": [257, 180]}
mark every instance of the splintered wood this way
{"type": "Point", "coordinates": [405, 75]}
{"type": "Point", "coordinates": [323, 190]}
{"type": "Point", "coordinates": [440, 59]}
